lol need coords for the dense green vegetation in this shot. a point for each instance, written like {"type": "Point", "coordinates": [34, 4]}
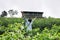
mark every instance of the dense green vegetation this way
{"type": "Point", "coordinates": [43, 29]}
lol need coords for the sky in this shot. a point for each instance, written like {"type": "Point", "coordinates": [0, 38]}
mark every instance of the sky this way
{"type": "Point", "coordinates": [49, 7]}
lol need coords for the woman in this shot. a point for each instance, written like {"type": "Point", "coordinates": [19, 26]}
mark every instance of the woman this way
{"type": "Point", "coordinates": [28, 24]}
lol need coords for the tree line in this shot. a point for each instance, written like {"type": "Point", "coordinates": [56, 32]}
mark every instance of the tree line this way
{"type": "Point", "coordinates": [10, 12]}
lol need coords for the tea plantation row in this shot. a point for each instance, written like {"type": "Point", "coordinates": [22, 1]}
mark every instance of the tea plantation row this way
{"type": "Point", "coordinates": [43, 29]}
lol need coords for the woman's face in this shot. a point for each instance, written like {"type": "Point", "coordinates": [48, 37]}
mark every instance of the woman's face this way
{"type": "Point", "coordinates": [29, 20]}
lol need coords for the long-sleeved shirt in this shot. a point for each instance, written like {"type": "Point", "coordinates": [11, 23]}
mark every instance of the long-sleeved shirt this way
{"type": "Point", "coordinates": [28, 24]}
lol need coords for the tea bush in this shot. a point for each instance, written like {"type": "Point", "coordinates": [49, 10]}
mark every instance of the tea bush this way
{"type": "Point", "coordinates": [46, 22]}
{"type": "Point", "coordinates": [43, 29]}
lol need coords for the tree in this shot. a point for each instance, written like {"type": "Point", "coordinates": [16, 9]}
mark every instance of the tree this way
{"type": "Point", "coordinates": [4, 13]}
{"type": "Point", "coordinates": [11, 12]}
{"type": "Point", "coordinates": [15, 12]}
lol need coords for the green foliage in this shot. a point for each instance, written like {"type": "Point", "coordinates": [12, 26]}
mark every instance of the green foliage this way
{"type": "Point", "coordinates": [46, 22]}
{"type": "Point", "coordinates": [43, 29]}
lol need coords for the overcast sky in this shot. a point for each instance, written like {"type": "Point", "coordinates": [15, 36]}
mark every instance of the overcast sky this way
{"type": "Point", "coordinates": [49, 7]}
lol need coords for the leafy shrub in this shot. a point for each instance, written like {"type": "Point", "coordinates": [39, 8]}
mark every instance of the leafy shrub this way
{"type": "Point", "coordinates": [46, 22]}
{"type": "Point", "coordinates": [43, 29]}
